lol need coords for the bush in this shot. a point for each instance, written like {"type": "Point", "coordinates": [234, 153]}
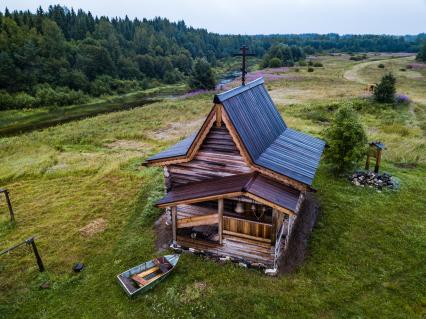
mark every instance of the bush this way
{"type": "Point", "coordinates": [381, 66]}
{"type": "Point", "coordinates": [302, 63]}
{"type": "Point", "coordinates": [421, 56]}
{"type": "Point", "coordinates": [402, 69]}
{"type": "Point", "coordinates": [310, 69]}
{"type": "Point", "coordinates": [310, 63]}
{"type": "Point", "coordinates": [318, 65]}
{"type": "Point", "coordinates": [275, 63]}
{"type": "Point", "coordinates": [409, 66]}
{"type": "Point", "coordinates": [346, 139]}
{"type": "Point", "coordinates": [202, 76]}
{"type": "Point", "coordinates": [384, 92]}
{"type": "Point", "coordinates": [296, 70]}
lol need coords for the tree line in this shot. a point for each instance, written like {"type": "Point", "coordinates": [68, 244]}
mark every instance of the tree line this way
{"type": "Point", "coordinates": [61, 56]}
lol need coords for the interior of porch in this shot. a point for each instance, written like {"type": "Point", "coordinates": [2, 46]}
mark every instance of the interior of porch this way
{"type": "Point", "coordinates": [236, 227]}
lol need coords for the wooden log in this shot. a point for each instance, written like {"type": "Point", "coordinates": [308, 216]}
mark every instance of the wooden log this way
{"type": "Point", "coordinates": [220, 209]}
{"type": "Point", "coordinates": [198, 221]}
{"type": "Point", "coordinates": [274, 225]}
{"type": "Point", "coordinates": [264, 240]}
{"type": "Point", "coordinates": [174, 220]}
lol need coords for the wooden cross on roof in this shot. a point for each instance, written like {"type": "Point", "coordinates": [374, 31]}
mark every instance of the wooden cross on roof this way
{"type": "Point", "coordinates": [244, 53]}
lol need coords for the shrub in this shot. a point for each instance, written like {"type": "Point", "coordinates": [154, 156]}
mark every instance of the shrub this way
{"type": "Point", "coordinates": [421, 56]}
{"type": "Point", "coordinates": [302, 63]}
{"type": "Point", "coordinates": [409, 66]}
{"type": "Point", "coordinates": [310, 63]}
{"type": "Point", "coordinates": [202, 76]}
{"type": "Point", "coordinates": [402, 69]}
{"type": "Point", "coordinates": [384, 92]}
{"type": "Point", "coordinates": [275, 63]}
{"type": "Point", "coordinates": [318, 65]}
{"type": "Point", "coordinates": [296, 70]}
{"type": "Point", "coordinates": [310, 69]}
{"type": "Point", "coordinates": [381, 66]}
{"type": "Point", "coordinates": [346, 139]}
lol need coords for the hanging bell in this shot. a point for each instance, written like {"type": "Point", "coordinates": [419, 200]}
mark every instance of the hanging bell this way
{"type": "Point", "coordinates": [239, 208]}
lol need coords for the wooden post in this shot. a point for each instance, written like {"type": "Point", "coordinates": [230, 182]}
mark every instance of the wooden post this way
{"type": "Point", "coordinates": [36, 254]}
{"type": "Point", "coordinates": [367, 163]}
{"type": "Point", "coordinates": [378, 160]}
{"type": "Point", "coordinates": [220, 208]}
{"type": "Point", "coordinates": [274, 226]}
{"type": "Point", "coordinates": [174, 220]}
{"type": "Point", "coordinates": [9, 204]}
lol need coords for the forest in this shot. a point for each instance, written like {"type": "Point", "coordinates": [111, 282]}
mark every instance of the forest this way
{"type": "Point", "coordinates": [61, 57]}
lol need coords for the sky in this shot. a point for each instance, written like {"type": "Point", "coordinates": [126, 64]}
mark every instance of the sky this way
{"type": "Point", "coordinates": [263, 16]}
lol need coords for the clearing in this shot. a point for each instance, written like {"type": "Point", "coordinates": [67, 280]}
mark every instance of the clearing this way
{"type": "Point", "coordinates": [81, 190]}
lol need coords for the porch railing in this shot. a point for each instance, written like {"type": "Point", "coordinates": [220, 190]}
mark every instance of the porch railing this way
{"type": "Point", "coordinates": [247, 228]}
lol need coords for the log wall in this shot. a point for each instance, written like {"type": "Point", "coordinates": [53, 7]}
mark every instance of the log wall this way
{"type": "Point", "coordinates": [218, 156]}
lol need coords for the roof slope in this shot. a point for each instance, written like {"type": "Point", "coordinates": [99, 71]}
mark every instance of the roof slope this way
{"type": "Point", "coordinates": [247, 184]}
{"type": "Point", "coordinates": [268, 140]}
{"type": "Point", "coordinates": [179, 149]}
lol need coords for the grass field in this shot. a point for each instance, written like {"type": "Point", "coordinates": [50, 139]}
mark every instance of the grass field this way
{"type": "Point", "coordinates": [366, 255]}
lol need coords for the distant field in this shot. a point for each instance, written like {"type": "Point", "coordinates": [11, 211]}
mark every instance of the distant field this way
{"type": "Point", "coordinates": [366, 255]}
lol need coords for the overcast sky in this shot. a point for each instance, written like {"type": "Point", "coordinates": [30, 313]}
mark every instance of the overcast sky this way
{"type": "Point", "coordinates": [263, 16]}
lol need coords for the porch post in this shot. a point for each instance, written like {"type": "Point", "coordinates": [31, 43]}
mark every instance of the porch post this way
{"type": "Point", "coordinates": [174, 218]}
{"type": "Point", "coordinates": [274, 226]}
{"type": "Point", "coordinates": [220, 217]}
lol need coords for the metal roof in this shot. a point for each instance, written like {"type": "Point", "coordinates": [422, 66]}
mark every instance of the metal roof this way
{"type": "Point", "coordinates": [179, 149]}
{"type": "Point", "coordinates": [268, 140]}
{"type": "Point", "coordinates": [247, 184]}
{"type": "Point", "coordinates": [266, 137]}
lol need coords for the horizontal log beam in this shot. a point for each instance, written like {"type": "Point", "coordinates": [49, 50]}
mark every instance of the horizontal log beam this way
{"type": "Point", "coordinates": [198, 221]}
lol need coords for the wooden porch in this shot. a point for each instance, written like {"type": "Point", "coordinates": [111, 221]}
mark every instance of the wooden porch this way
{"type": "Point", "coordinates": [217, 230]}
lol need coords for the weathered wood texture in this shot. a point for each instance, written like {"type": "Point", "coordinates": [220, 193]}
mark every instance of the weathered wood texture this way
{"type": "Point", "coordinates": [198, 221]}
{"type": "Point", "coordinates": [236, 247]}
{"type": "Point", "coordinates": [247, 229]}
{"type": "Point", "coordinates": [218, 156]}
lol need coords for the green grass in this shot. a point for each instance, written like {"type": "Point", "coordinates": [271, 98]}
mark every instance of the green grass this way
{"type": "Point", "coordinates": [366, 255]}
{"type": "Point", "coordinates": [16, 121]}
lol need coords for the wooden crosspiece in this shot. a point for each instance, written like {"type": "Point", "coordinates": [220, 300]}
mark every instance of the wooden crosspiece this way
{"type": "Point", "coordinates": [244, 53]}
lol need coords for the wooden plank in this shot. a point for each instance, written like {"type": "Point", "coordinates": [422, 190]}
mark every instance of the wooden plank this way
{"type": "Point", "coordinates": [174, 220]}
{"type": "Point", "coordinates": [218, 115]}
{"type": "Point", "coordinates": [220, 209]}
{"type": "Point", "coordinates": [274, 225]}
{"type": "Point", "coordinates": [198, 221]}
{"type": "Point", "coordinates": [265, 240]}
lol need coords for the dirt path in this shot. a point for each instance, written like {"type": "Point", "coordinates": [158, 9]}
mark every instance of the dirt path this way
{"type": "Point", "coordinates": [353, 73]}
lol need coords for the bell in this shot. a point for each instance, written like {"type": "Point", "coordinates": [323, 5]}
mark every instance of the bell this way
{"type": "Point", "coordinates": [239, 208]}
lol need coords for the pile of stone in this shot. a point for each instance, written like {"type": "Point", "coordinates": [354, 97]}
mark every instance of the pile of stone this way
{"type": "Point", "coordinates": [371, 179]}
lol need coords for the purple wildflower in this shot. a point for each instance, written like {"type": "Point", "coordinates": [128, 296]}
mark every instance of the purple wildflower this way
{"type": "Point", "coordinates": [402, 99]}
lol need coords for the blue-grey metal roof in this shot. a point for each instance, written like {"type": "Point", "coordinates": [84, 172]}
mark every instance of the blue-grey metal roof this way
{"type": "Point", "coordinates": [265, 135]}
{"type": "Point", "coordinates": [179, 149]}
{"type": "Point", "coordinates": [268, 140]}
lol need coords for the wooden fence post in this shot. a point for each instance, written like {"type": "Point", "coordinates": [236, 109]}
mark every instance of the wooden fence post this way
{"type": "Point", "coordinates": [220, 209]}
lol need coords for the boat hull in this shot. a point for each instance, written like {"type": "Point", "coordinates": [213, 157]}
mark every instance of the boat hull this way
{"type": "Point", "coordinates": [134, 287]}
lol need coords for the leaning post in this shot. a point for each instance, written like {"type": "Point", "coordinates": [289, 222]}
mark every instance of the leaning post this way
{"type": "Point", "coordinates": [31, 242]}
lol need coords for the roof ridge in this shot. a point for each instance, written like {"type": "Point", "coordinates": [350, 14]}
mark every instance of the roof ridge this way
{"type": "Point", "coordinates": [219, 98]}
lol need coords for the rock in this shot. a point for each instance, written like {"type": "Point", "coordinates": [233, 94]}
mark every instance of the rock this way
{"type": "Point", "coordinates": [241, 264]}
{"type": "Point", "coordinates": [45, 285]}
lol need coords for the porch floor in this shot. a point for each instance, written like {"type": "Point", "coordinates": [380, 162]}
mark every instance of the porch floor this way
{"type": "Point", "coordinates": [235, 247]}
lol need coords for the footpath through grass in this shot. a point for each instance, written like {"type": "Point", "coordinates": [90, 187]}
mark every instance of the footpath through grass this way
{"type": "Point", "coordinates": [366, 255]}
